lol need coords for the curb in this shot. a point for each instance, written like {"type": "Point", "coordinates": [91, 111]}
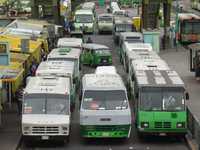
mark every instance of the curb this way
{"type": "Point", "coordinates": [191, 143]}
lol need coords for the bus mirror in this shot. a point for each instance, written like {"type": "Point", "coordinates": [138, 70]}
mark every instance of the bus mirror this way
{"type": "Point", "coordinates": [187, 97]}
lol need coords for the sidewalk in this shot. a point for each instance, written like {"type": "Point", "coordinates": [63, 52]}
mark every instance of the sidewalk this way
{"type": "Point", "coordinates": [10, 130]}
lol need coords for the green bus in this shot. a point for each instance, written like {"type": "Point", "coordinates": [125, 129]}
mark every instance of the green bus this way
{"type": "Point", "coordinates": [96, 54]}
{"type": "Point", "coordinates": [160, 103]}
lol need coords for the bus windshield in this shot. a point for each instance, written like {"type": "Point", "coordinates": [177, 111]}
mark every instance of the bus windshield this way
{"type": "Point", "coordinates": [105, 100]}
{"type": "Point", "coordinates": [46, 104]}
{"type": "Point", "coordinates": [162, 99]}
{"type": "Point", "coordinates": [84, 18]}
{"type": "Point", "coordinates": [102, 51]}
{"type": "Point", "coordinates": [123, 28]}
{"type": "Point", "coordinates": [106, 19]}
{"type": "Point", "coordinates": [191, 27]}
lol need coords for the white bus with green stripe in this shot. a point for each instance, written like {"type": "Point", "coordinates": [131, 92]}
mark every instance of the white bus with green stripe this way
{"type": "Point", "coordinates": [105, 111]}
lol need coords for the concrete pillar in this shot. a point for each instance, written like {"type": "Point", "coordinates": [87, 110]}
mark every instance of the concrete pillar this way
{"type": "Point", "coordinates": [150, 11]}
{"type": "Point", "coordinates": [34, 9]}
{"type": "Point", "coordinates": [56, 11]}
{"type": "Point", "coordinates": [167, 15]}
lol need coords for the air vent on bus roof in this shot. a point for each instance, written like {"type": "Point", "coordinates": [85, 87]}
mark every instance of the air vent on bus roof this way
{"type": "Point", "coordinates": [64, 50]}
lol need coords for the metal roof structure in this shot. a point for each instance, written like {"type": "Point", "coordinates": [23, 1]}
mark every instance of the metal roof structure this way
{"type": "Point", "coordinates": [48, 85]}
{"type": "Point", "coordinates": [102, 82]}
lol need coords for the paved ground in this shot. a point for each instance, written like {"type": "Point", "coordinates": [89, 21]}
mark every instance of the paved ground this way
{"type": "Point", "coordinates": [10, 130]}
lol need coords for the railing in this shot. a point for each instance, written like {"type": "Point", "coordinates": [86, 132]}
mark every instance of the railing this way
{"type": "Point", "coordinates": [194, 127]}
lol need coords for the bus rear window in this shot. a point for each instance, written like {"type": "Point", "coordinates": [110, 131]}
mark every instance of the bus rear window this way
{"type": "Point", "coordinates": [191, 27]}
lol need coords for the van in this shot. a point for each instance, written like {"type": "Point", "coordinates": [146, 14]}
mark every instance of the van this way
{"type": "Point", "coordinates": [96, 54]}
{"type": "Point", "coordinates": [121, 24]}
{"type": "Point", "coordinates": [105, 23]}
{"type": "Point", "coordinates": [46, 109]}
{"type": "Point", "coordinates": [105, 110]}
{"type": "Point", "coordinates": [130, 37]}
{"type": "Point", "coordinates": [84, 20]}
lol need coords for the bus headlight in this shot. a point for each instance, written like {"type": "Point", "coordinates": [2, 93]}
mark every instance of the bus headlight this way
{"type": "Point", "coordinates": [26, 128]}
{"type": "Point", "coordinates": [145, 125]}
{"type": "Point", "coordinates": [65, 128]}
{"type": "Point", "coordinates": [180, 125]}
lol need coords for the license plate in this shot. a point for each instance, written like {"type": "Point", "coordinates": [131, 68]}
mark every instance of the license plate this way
{"type": "Point", "coordinates": [105, 134]}
{"type": "Point", "coordinates": [45, 137]}
{"type": "Point", "coordinates": [162, 134]}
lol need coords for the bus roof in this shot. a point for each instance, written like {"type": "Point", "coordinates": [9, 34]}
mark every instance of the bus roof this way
{"type": "Point", "coordinates": [51, 85]}
{"type": "Point", "coordinates": [106, 70]}
{"type": "Point", "coordinates": [84, 12]}
{"type": "Point", "coordinates": [88, 5]}
{"type": "Point", "coordinates": [187, 16]}
{"type": "Point", "coordinates": [158, 78]}
{"type": "Point", "coordinates": [55, 68]}
{"type": "Point", "coordinates": [142, 55]}
{"type": "Point", "coordinates": [138, 46]}
{"type": "Point", "coordinates": [149, 64]}
{"type": "Point", "coordinates": [70, 42]}
{"type": "Point", "coordinates": [132, 36]}
{"type": "Point", "coordinates": [71, 53]}
{"type": "Point", "coordinates": [102, 82]}
{"type": "Point", "coordinates": [94, 46]}
{"type": "Point", "coordinates": [123, 20]}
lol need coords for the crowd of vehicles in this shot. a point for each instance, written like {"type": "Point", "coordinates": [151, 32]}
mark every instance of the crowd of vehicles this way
{"type": "Point", "coordinates": [156, 91]}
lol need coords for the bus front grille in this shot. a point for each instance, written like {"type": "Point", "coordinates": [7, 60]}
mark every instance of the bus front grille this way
{"type": "Point", "coordinates": [158, 124]}
{"type": "Point", "coordinates": [162, 125]}
{"type": "Point", "coordinates": [45, 130]}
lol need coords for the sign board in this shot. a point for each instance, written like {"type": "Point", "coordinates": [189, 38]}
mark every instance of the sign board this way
{"type": "Point", "coordinates": [4, 53]}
